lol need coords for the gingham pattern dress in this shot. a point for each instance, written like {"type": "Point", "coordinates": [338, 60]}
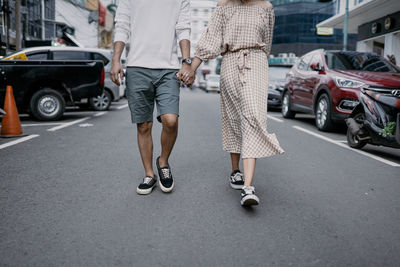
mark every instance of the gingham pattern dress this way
{"type": "Point", "coordinates": [243, 35]}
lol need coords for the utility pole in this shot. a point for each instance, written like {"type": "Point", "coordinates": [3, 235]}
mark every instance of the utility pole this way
{"type": "Point", "coordinates": [43, 20]}
{"type": "Point", "coordinates": [7, 11]}
{"type": "Point", "coordinates": [18, 25]}
{"type": "Point", "coordinates": [346, 26]}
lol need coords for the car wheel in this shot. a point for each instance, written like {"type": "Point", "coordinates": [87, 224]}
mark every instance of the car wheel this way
{"type": "Point", "coordinates": [353, 140]}
{"type": "Point", "coordinates": [47, 105]}
{"type": "Point", "coordinates": [323, 113]}
{"type": "Point", "coordinates": [286, 110]}
{"type": "Point", "coordinates": [101, 102]}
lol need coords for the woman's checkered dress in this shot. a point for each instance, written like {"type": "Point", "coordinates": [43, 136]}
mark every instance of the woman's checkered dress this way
{"type": "Point", "coordinates": [243, 35]}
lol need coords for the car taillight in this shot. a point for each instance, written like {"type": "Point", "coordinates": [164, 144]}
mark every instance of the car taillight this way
{"type": "Point", "coordinates": [102, 76]}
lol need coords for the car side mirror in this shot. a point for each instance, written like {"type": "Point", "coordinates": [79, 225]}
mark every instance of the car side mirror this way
{"type": "Point", "coordinates": [316, 67]}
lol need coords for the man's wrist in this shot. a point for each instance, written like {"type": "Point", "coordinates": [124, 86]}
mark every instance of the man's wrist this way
{"type": "Point", "coordinates": [187, 61]}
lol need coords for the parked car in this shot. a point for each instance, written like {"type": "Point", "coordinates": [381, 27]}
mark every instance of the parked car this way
{"type": "Point", "coordinates": [277, 75]}
{"type": "Point", "coordinates": [327, 84]}
{"type": "Point", "coordinates": [44, 88]}
{"type": "Point", "coordinates": [212, 84]}
{"type": "Point", "coordinates": [112, 92]}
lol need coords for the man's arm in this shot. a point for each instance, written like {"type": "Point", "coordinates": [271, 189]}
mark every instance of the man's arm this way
{"type": "Point", "coordinates": [186, 70]}
{"type": "Point", "coordinates": [122, 31]}
{"type": "Point", "coordinates": [183, 34]}
{"type": "Point", "coordinates": [185, 48]}
{"type": "Point", "coordinates": [116, 68]}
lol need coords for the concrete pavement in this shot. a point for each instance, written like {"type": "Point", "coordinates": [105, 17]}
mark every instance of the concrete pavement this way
{"type": "Point", "coordinates": [68, 199]}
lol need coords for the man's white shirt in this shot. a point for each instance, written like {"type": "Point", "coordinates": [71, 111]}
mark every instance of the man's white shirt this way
{"type": "Point", "coordinates": [154, 28]}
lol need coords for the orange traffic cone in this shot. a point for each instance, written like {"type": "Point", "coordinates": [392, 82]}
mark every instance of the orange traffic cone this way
{"type": "Point", "coordinates": [10, 126]}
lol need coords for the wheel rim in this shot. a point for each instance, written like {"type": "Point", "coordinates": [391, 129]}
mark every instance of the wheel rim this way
{"type": "Point", "coordinates": [101, 101]}
{"type": "Point", "coordinates": [285, 104]}
{"type": "Point", "coordinates": [49, 105]}
{"type": "Point", "coordinates": [322, 112]}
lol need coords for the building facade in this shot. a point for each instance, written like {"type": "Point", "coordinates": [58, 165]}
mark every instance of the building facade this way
{"type": "Point", "coordinates": [37, 21]}
{"type": "Point", "coordinates": [296, 27]}
{"type": "Point", "coordinates": [377, 23]}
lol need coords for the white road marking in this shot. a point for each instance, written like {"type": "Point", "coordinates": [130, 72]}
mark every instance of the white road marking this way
{"type": "Point", "coordinates": [388, 162]}
{"type": "Point", "coordinates": [84, 125]}
{"type": "Point", "coordinates": [67, 124]}
{"type": "Point", "coordinates": [100, 113]}
{"type": "Point", "coordinates": [122, 106]}
{"type": "Point", "coordinates": [20, 140]}
{"type": "Point", "coordinates": [40, 124]}
{"type": "Point", "coordinates": [274, 119]}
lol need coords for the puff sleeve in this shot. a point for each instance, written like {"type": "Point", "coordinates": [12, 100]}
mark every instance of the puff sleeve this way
{"type": "Point", "coordinates": [211, 41]}
{"type": "Point", "coordinates": [269, 31]}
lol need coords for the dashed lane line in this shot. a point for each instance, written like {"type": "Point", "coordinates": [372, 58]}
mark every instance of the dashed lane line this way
{"type": "Point", "coordinates": [19, 140]}
{"type": "Point", "coordinates": [122, 106]}
{"type": "Point", "coordinates": [274, 119]}
{"type": "Point", "coordinates": [40, 124]}
{"type": "Point", "coordinates": [67, 124]}
{"type": "Point", "coordinates": [388, 162]}
{"type": "Point", "coordinates": [100, 113]}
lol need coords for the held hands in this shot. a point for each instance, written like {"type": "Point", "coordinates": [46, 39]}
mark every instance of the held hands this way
{"type": "Point", "coordinates": [117, 72]}
{"type": "Point", "coordinates": [186, 75]}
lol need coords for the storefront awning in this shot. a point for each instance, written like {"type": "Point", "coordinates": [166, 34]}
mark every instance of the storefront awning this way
{"type": "Point", "coordinates": [363, 13]}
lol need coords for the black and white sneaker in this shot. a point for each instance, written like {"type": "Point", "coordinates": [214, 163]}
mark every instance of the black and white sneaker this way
{"type": "Point", "coordinates": [236, 180]}
{"type": "Point", "coordinates": [147, 185]}
{"type": "Point", "coordinates": [248, 196]}
{"type": "Point", "coordinates": [166, 181]}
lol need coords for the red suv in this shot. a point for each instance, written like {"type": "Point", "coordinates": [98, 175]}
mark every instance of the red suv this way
{"type": "Point", "coordinates": [327, 84]}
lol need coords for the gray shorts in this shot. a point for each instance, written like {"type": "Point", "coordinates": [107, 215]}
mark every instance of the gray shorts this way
{"type": "Point", "coordinates": [144, 86]}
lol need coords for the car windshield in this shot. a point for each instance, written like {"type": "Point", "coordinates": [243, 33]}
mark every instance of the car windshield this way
{"type": "Point", "coordinates": [278, 73]}
{"type": "Point", "coordinates": [213, 79]}
{"type": "Point", "coordinates": [358, 61]}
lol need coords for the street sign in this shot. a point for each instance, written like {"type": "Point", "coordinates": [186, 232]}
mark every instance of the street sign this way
{"type": "Point", "coordinates": [325, 31]}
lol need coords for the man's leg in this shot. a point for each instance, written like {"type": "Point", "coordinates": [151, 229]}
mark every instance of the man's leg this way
{"type": "Point", "coordinates": [140, 95]}
{"type": "Point", "coordinates": [145, 143]}
{"type": "Point", "coordinates": [167, 99]}
{"type": "Point", "coordinates": [168, 136]}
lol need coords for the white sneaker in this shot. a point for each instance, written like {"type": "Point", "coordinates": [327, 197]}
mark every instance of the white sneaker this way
{"type": "Point", "coordinates": [236, 180]}
{"type": "Point", "coordinates": [248, 196]}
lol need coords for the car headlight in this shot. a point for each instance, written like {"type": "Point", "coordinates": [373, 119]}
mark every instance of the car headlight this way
{"type": "Point", "coordinates": [348, 83]}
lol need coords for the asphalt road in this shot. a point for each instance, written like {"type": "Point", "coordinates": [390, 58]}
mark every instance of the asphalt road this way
{"type": "Point", "coordinates": [67, 197]}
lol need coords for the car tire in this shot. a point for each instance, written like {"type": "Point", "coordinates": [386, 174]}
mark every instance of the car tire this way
{"type": "Point", "coordinates": [323, 114]}
{"type": "Point", "coordinates": [101, 102]}
{"type": "Point", "coordinates": [352, 140]}
{"type": "Point", "coordinates": [286, 110]}
{"type": "Point", "coordinates": [47, 105]}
